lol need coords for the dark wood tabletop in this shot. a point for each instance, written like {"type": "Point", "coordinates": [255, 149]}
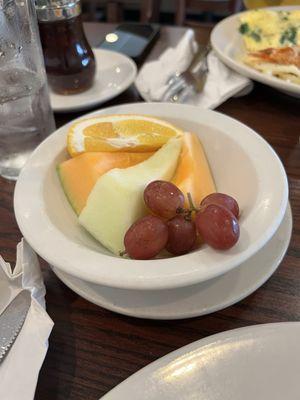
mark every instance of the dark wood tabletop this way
{"type": "Point", "coordinates": [91, 349]}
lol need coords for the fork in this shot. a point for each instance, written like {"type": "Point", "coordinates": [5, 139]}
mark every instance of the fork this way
{"type": "Point", "coordinates": [182, 85]}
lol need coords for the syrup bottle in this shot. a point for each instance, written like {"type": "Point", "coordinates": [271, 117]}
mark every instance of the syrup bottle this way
{"type": "Point", "coordinates": [69, 60]}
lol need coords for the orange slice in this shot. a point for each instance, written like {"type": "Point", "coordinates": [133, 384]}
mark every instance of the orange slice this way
{"type": "Point", "coordinates": [119, 133]}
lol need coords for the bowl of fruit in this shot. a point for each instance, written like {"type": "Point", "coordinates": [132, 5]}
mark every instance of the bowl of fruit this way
{"type": "Point", "coordinates": [150, 196]}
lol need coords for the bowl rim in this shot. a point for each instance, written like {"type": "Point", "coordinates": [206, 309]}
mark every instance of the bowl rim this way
{"type": "Point", "coordinates": [167, 273]}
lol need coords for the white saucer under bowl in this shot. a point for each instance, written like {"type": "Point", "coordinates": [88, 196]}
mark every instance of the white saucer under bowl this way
{"type": "Point", "coordinates": [195, 300]}
{"type": "Point", "coordinates": [114, 74]}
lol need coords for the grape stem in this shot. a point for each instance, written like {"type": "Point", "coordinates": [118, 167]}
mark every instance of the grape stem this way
{"type": "Point", "coordinates": [191, 203]}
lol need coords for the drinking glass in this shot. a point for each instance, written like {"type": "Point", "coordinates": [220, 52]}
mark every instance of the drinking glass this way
{"type": "Point", "coordinates": [26, 117]}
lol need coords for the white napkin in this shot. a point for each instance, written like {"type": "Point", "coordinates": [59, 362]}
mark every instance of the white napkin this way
{"type": "Point", "coordinates": [20, 369]}
{"type": "Point", "coordinates": [221, 83]}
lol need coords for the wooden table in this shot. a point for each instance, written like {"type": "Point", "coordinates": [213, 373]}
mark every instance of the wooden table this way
{"type": "Point", "coordinates": [91, 350]}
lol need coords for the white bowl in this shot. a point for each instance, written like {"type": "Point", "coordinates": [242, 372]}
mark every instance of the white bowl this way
{"type": "Point", "coordinates": [243, 165]}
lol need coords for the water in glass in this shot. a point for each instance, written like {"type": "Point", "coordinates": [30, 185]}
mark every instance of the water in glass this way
{"type": "Point", "coordinates": [25, 113]}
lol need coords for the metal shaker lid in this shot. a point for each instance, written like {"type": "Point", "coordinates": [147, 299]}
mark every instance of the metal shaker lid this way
{"type": "Point", "coordinates": [57, 10]}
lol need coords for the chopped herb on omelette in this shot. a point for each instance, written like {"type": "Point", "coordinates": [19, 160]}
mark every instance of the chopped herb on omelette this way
{"type": "Point", "coordinates": [262, 29]}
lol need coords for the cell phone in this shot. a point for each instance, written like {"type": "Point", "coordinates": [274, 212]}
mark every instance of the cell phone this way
{"type": "Point", "coordinates": [132, 39]}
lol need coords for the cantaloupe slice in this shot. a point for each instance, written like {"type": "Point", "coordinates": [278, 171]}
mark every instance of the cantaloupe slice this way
{"type": "Point", "coordinates": [193, 173]}
{"type": "Point", "coordinates": [79, 175]}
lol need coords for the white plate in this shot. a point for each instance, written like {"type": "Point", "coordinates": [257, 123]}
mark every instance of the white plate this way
{"type": "Point", "coordinates": [227, 42]}
{"type": "Point", "coordinates": [115, 72]}
{"type": "Point", "coordinates": [259, 362]}
{"type": "Point", "coordinates": [196, 300]}
{"type": "Point", "coordinates": [238, 158]}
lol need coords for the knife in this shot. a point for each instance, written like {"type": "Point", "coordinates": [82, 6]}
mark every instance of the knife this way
{"type": "Point", "coordinates": [12, 320]}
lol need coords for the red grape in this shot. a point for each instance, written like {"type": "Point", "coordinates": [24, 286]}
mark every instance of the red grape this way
{"type": "Point", "coordinates": [182, 235]}
{"type": "Point", "coordinates": [163, 198]}
{"type": "Point", "coordinates": [224, 200]}
{"type": "Point", "coordinates": [146, 238]}
{"type": "Point", "coordinates": [217, 226]}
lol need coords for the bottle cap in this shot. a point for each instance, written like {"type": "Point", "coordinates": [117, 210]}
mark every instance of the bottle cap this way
{"type": "Point", "coordinates": [57, 10]}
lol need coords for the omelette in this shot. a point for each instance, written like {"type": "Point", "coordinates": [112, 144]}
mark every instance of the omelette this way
{"type": "Point", "coordinates": [272, 42]}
